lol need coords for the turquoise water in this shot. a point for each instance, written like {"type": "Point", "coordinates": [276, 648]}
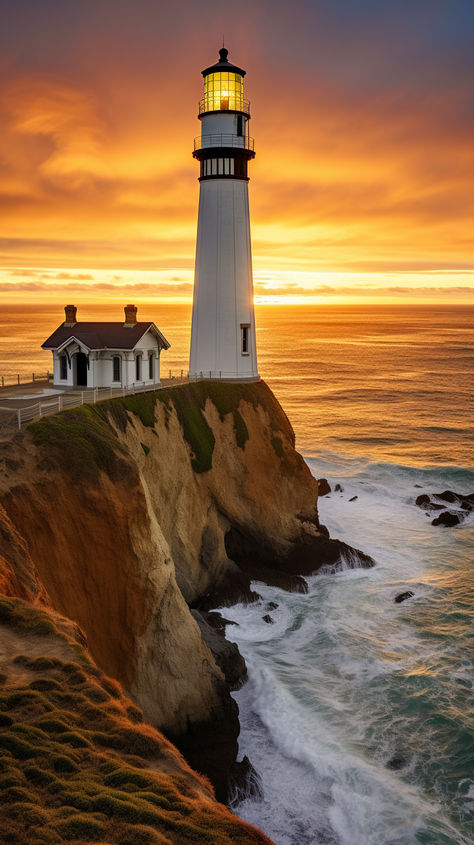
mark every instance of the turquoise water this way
{"type": "Point", "coordinates": [359, 712]}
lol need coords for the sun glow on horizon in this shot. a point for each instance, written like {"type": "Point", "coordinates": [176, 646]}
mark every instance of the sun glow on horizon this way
{"type": "Point", "coordinates": [361, 189]}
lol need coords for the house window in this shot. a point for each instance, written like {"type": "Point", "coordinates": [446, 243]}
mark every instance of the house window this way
{"type": "Point", "coordinates": [138, 368]}
{"type": "Point", "coordinates": [117, 375]}
{"type": "Point", "coordinates": [245, 330]}
{"type": "Point", "coordinates": [62, 367]}
{"type": "Point", "coordinates": [150, 366]}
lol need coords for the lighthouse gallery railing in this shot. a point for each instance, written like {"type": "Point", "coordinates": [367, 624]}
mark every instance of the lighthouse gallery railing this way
{"type": "Point", "coordinates": [202, 142]}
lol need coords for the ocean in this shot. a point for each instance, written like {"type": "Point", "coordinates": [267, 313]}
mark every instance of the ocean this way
{"type": "Point", "coordinates": [358, 713]}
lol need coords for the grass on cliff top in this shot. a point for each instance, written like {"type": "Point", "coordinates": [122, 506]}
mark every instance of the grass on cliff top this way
{"type": "Point", "coordinates": [189, 401]}
{"type": "Point", "coordinates": [77, 763]}
{"type": "Point", "coordinates": [85, 442]}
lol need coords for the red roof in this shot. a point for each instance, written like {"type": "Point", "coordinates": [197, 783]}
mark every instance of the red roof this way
{"type": "Point", "coordinates": [103, 335]}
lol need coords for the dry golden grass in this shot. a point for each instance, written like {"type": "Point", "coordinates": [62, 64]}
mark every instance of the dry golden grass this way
{"type": "Point", "coordinates": [77, 762]}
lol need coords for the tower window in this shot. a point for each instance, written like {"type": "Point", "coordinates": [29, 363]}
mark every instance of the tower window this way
{"type": "Point", "coordinates": [245, 331]}
{"type": "Point", "coordinates": [63, 368]}
{"type": "Point", "coordinates": [116, 362]}
{"type": "Point", "coordinates": [240, 125]}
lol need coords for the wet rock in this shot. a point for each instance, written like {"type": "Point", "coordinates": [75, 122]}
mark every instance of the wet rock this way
{"type": "Point", "coordinates": [232, 587]}
{"type": "Point", "coordinates": [447, 519]}
{"type": "Point", "coordinates": [323, 487]}
{"type": "Point", "coordinates": [226, 654]}
{"type": "Point", "coordinates": [271, 605]}
{"type": "Point", "coordinates": [396, 763]}
{"type": "Point", "coordinates": [244, 782]}
{"type": "Point", "coordinates": [285, 569]}
{"type": "Point", "coordinates": [217, 621]}
{"type": "Point", "coordinates": [403, 596]}
{"type": "Point", "coordinates": [211, 746]}
{"type": "Point", "coordinates": [418, 485]}
{"type": "Point", "coordinates": [339, 488]}
{"type": "Point", "coordinates": [448, 496]}
{"type": "Point", "coordinates": [353, 498]}
{"type": "Point", "coordinates": [268, 619]}
{"type": "Point", "coordinates": [324, 530]}
{"type": "Point", "coordinates": [437, 502]}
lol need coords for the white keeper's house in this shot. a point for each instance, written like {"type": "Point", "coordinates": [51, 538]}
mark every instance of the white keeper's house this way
{"type": "Point", "coordinates": [122, 354]}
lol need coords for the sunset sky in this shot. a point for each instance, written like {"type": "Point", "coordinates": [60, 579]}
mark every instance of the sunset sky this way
{"type": "Point", "coordinates": [362, 189]}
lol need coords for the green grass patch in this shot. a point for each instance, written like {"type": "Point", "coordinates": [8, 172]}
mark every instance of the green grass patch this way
{"type": "Point", "coordinates": [83, 441]}
{"type": "Point", "coordinates": [145, 448]}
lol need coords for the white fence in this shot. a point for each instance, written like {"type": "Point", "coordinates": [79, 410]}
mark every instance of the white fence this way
{"type": "Point", "coordinates": [16, 418]}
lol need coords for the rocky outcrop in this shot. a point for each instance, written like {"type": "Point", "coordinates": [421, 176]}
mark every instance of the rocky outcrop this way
{"type": "Point", "coordinates": [132, 510]}
{"type": "Point", "coordinates": [462, 505]}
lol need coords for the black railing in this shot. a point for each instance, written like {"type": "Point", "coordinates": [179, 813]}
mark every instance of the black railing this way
{"type": "Point", "coordinates": [208, 104]}
{"type": "Point", "coordinates": [202, 142]}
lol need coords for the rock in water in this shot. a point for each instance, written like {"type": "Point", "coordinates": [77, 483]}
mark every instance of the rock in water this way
{"type": "Point", "coordinates": [353, 498]}
{"type": "Point", "coordinates": [323, 487]}
{"type": "Point", "coordinates": [268, 619]}
{"type": "Point", "coordinates": [447, 519]}
{"type": "Point", "coordinates": [339, 488]}
{"type": "Point", "coordinates": [458, 499]}
{"type": "Point", "coordinates": [396, 763]}
{"type": "Point", "coordinates": [448, 496]}
{"type": "Point", "coordinates": [403, 596]}
{"type": "Point", "coordinates": [244, 782]}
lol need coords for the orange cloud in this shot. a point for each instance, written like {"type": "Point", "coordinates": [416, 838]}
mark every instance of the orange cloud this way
{"type": "Point", "coordinates": [364, 147]}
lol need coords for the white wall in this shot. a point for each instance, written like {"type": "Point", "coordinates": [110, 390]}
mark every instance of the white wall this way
{"type": "Point", "coordinates": [218, 123]}
{"type": "Point", "coordinates": [223, 285]}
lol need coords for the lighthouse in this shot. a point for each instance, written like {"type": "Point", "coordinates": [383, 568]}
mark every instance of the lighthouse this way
{"type": "Point", "coordinates": [223, 324]}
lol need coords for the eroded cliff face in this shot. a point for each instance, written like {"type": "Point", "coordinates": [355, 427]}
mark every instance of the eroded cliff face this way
{"type": "Point", "coordinates": [131, 510]}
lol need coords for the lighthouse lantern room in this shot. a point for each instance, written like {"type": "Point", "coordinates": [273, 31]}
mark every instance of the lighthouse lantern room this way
{"type": "Point", "coordinates": [223, 324]}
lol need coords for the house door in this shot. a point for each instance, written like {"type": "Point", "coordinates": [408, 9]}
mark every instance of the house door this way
{"type": "Point", "coordinates": [81, 370]}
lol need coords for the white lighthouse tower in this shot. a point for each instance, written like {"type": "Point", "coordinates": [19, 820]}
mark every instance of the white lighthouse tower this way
{"type": "Point", "coordinates": [223, 327]}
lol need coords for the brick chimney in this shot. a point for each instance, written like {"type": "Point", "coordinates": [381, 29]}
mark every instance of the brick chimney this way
{"type": "Point", "coordinates": [70, 311]}
{"type": "Point", "coordinates": [130, 315]}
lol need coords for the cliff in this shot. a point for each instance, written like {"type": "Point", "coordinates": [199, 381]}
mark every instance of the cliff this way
{"type": "Point", "coordinates": [121, 516]}
{"type": "Point", "coordinates": [77, 761]}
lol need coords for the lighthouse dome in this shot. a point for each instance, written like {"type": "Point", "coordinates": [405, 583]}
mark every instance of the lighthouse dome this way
{"type": "Point", "coordinates": [223, 65]}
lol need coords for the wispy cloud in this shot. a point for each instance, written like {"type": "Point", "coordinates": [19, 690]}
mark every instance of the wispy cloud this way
{"type": "Point", "coordinates": [363, 116]}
